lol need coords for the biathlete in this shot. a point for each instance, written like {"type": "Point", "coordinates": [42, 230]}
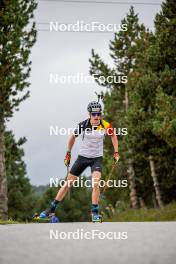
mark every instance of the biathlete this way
{"type": "Point", "coordinates": [90, 155]}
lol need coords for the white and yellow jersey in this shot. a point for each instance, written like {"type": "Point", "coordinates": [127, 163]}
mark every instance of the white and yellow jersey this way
{"type": "Point", "coordinates": [92, 137]}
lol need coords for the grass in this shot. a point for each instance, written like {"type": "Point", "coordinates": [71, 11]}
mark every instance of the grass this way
{"type": "Point", "coordinates": [8, 222]}
{"type": "Point", "coordinates": [168, 213]}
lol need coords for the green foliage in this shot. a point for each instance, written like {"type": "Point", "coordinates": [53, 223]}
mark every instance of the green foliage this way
{"type": "Point", "coordinates": [21, 198]}
{"type": "Point", "coordinates": [168, 213]}
{"type": "Point", "coordinates": [145, 104]}
{"type": "Point", "coordinates": [39, 190]}
{"type": "Point", "coordinates": [17, 36]}
{"type": "Point", "coordinates": [164, 124]}
{"type": "Point", "coordinates": [151, 116]}
{"type": "Point", "coordinates": [16, 40]}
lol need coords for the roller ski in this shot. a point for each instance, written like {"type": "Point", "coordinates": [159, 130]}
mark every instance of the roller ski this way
{"type": "Point", "coordinates": [96, 218]}
{"type": "Point", "coordinates": [45, 218]}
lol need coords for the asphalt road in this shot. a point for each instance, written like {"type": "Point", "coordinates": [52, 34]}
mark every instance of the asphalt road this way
{"type": "Point", "coordinates": [133, 243]}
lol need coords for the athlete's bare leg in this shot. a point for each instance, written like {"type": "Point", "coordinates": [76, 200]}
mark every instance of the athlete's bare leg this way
{"type": "Point", "coordinates": [64, 189]}
{"type": "Point", "coordinates": [96, 176]}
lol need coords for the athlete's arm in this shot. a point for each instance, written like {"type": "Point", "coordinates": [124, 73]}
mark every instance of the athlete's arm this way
{"type": "Point", "coordinates": [115, 142]}
{"type": "Point", "coordinates": [71, 141]}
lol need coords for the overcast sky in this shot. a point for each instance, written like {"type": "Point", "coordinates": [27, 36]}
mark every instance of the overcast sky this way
{"type": "Point", "coordinates": [63, 105]}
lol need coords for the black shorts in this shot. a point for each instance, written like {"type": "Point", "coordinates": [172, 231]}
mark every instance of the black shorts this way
{"type": "Point", "coordinates": [82, 163]}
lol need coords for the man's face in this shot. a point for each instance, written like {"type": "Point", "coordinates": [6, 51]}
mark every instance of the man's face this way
{"type": "Point", "coordinates": [95, 117]}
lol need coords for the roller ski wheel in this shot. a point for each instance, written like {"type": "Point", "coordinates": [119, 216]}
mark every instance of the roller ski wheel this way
{"type": "Point", "coordinates": [54, 219]}
{"type": "Point", "coordinates": [96, 218]}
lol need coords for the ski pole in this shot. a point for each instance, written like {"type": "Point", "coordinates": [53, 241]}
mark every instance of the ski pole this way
{"type": "Point", "coordinates": [66, 179]}
{"type": "Point", "coordinates": [109, 176]}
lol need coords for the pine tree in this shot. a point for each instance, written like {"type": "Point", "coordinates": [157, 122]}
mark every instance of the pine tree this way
{"type": "Point", "coordinates": [16, 41]}
{"type": "Point", "coordinates": [164, 124]}
{"type": "Point", "coordinates": [21, 198]}
{"type": "Point", "coordinates": [151, 115]}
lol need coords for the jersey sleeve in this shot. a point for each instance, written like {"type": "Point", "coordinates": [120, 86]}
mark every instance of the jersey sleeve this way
{"type": "Point", "coordinates": [109, 128]}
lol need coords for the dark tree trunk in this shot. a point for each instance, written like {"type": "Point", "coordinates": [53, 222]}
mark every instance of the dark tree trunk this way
{"type": "Point", "coordinates": [3, 178]}
{"type": "Point", "coordinates": [132, 185]}
{"type": "Point", "coordinates": [142, 203]}
{"type": "Point", "coordinates": [130, 170]}
{"type": "Point", "coordinates": [154, 200]}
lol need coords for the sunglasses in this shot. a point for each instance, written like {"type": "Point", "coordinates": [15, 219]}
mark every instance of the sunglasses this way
{"type": "Point", "coordinates": [96, 114]}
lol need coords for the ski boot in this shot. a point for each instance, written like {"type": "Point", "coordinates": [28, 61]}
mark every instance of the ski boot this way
{"type": "Point", "coordinates": [96, 218]}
